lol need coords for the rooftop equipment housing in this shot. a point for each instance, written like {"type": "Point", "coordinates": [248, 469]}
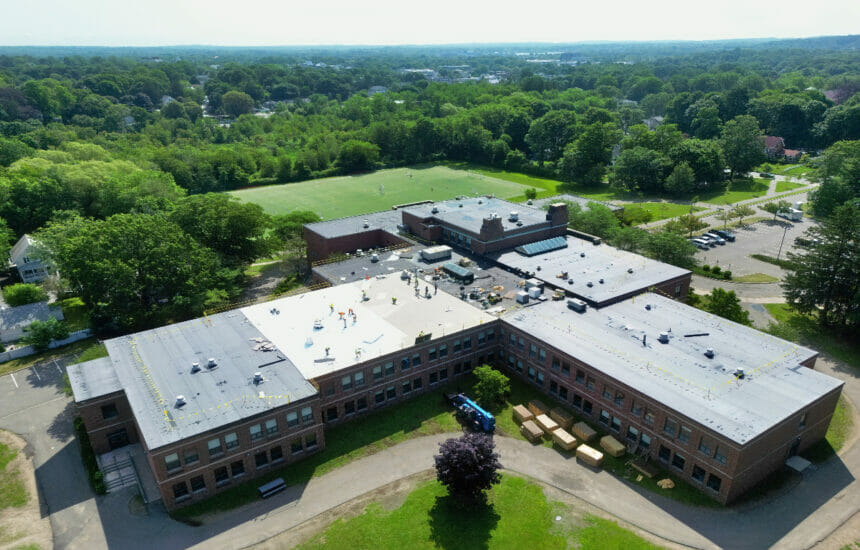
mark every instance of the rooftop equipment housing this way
{"type": "Point", "coordinates": [577, 305]}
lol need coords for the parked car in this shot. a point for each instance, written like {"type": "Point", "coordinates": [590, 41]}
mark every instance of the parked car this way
{"type": "Point", "coordinates": [765, 175]}
{"type": "Point", "coordinates": [701, 244]}
{"type": "Point", "coordinates": [727, 235]}
{"type": "Point", "coordinates": [711, 242]}
{"type": "Point", "coordinates": [715, 237]}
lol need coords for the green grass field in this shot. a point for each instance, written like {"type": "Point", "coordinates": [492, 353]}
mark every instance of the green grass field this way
{"type": "Point", "coordinates": [805, 330]}
{"type": "Point", "coordinates": [783, 186]}
{"type": "Point", "coordinates": [663, 210]}
{"type": "Point", "coordinates": [13, 494]}
{"type": "Point", "coordinates": [516, 515]}
{"type": "Point", "coordinates": [740, 190]}
{"type": "Point", "coordinates": [352, 195]}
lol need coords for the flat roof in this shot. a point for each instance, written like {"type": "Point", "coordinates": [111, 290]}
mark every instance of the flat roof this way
{"type": "Point", "coordinates": [380, 327]}
{"type": "Point", "coordinates": [678, 374]}
{"type": "Point", "coordinates": [585, 262]}
{"type": "Point", "coordinates": [470, 216]}
{"type": "Point", "coordinates": [387, 220]}
{"type": "Point", "coordinates": [154, 367]}
{"type": "Point", "coordinates": [93, 379]}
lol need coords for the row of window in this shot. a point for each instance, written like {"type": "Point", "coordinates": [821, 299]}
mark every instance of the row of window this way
{"type": "Point", "coordinates": [218, 446]}
{"type": "Point", "coordinates": [223, 475]}
{"type": "Point", "coordinates": [679, 462]}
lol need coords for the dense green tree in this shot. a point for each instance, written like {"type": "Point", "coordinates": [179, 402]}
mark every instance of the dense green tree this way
{"type": "Point", "coordinates": [639, 169]}
{"type": "Point", "coordinates": [549, 134]}
{"type": "Point", "coordinates": [826, 278]}
{"type": "Point", "coordinates": [236, 103]}
{"type": "Point", "coordinates": [704, 156]}
{"type": "Point", "coordinates": [491, 387]}
{"type": "Point", "coordinates": [12, 150]}
{"type": "Point", "coordinates": [24, 293]}
{"type": "Point", "coordinates": [356, 156]}
{"type": "Point", "coordinates": [596, 219]}
{"type": "Point", "coordinates": [742, 145]}
{"type": "Point", "coordinates": [40, 334]}
{"type": "Point", "coordinates": [7, 237]}
{"type": "Point", "coordinates": [468, 466]}
{"type": "Point", "coordinates": [726, 304]}
{"type": "Point", "coordinates": [682, 180]}
{"type": "Point", "coordinates": [586, 158]}
{"type": "Point", "coordinates": [671, 248]}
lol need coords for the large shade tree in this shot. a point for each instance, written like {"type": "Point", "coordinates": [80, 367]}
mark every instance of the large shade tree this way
{"type": "Point", "coordinates": [468, 465]}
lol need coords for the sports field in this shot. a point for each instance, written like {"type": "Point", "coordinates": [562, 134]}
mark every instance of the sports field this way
{"type": "Point", "coordinates": [351, 195]}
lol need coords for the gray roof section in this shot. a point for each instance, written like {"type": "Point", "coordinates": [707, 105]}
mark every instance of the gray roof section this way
{"type": "Point", "coordinates": [387, 220]}
{"type": "Point", "coordinates": [585, 262]}
{"type": "Point", "coordinates": [581, 201]}
{"type": "Point", "coordinates": [93, 379]}
{"type": "Point", "coordinates": [678, 374]}
{"type": "Point", "coordinates": [154, 367]}
{"type": "Point", "coordinates": [470, 216]}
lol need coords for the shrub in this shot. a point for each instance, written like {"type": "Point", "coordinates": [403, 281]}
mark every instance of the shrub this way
{"type": "Point", "coordinates": [727, 274]}
{"type": "Point", "coordinates": [716, 270]}
{"type": "Point", "coordinates": [706, 267]}
{"type": "Point", "coordinates": [24, 293]}
{"type": "Point", "coordinates": [492, 385]}
{"type": "Point", "coordinates": [531, 193]}
{"type": "Point", "coordinates": [41, 333]}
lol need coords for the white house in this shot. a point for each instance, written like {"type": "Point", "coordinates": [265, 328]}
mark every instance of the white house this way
{"type": "Point", "coordinates": [23, 257]}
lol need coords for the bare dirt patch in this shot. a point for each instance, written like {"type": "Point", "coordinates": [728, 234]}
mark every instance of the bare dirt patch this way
{"type": "Point", "coordinates": [25, 525]}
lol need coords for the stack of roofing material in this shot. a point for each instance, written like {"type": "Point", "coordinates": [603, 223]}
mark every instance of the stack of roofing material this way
{"type": "Point", "coordinates": [583, 431]}
{"type": "Point", "coordinates": [564, 439]}
{"type": "Point", "coordinates": [547, 424]}
{"type": "Point", "coordinates": [531, 431]}
{"type": "Point", "coordinates": [564, 418]}
{"type": "Point", "coordinates": [521, 414]}
{"type": "Point", "coordinates": [537, 407]}
{"type": "Point", "coordinates": [590, 456]}
{"type": "Point", "coordinates": [612, 446]}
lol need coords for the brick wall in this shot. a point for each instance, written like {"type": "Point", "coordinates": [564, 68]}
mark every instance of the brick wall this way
{"type": "Point", "coordinates": [320, 248]}
{"type": "Point", "coordinates": [100, 422]}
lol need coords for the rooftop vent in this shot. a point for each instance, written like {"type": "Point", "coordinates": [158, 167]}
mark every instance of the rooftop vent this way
{"type": "Point", "coordinates": [600, 281]}
{"type": "Point", "coordinates": [514, 216]}
{"type": "Point", "coordinates": [211, 364]}
{"type": "Point", "coordinates": [480, 201]}
{"type": "Point", "coordinates": [648, 307]}
{"type": "Point", "coordinates": [582, 254]}
{"type": "Point", "coordinates": [434, 210]}
{"type": "Point", "coordinates": [366, 224]}
{"type": "Point", "coordinates": [519, 224]}
{"type": "Point", "coordinates": [589, 284]}
{"type": "Point", "coordinates": [709, 353]}
{"type": "Point", "coordinates": [629, 270]}
{"type": "Point", "coordinates": [663, 338]}
{"type": "Point", "coordinates": [195, 367]}
{"type": "Point", "coordinates": [180, 401]}
{"type": "Point", "coordinates": [740, 374]}
{"type": "Point", "coordinates": [258, 377]}
{"type": "Point", "coordinates": [460, 205]}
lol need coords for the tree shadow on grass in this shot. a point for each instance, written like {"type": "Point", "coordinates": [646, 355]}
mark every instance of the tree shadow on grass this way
{"type": "Point", "coordinates": [456, 525]}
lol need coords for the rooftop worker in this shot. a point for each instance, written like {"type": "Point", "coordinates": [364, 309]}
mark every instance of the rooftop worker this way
{"type": "Point", "coordinates": [332, 307]}
{"type": "Point", "coordinates": [394, 300]}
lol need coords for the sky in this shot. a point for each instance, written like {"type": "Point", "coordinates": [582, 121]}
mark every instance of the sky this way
{"type": "Point", "coordinates": [383, 22]}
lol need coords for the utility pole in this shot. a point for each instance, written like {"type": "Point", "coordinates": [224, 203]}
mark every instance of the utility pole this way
{"type": "Point", "coordinates": [782, 241]}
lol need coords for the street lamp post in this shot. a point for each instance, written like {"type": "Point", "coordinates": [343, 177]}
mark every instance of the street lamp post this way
{"type": "Point", "coordinates": [782, 241]}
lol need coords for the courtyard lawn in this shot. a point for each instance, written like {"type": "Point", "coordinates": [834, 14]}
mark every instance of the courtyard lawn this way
{"type": "Point", "coordinates": [739, 190]}
{"type": "Point", "coordinates": [663, 210]}
{"type": "Point", "coordinates": [516, 515]}
{"type": "Point", "coordinates": [783, 185]}
{"type": "Point", "coordinates": [806, 331]}
{"type": "Point", "coordinates": [353, 195]}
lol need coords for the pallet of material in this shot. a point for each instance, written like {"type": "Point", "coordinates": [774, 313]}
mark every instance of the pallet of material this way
{"type": "Point", "coordinates": [563, 439]}
{"type": "Point", "coordinates": [590, 456]}
{"type": "Point", "coordinates": [537, 407]}
{"type": "Point", "coordinates": [521, 414]}
{"type": "Point", "coordinates": [545, 423]}
{"type": "Point", "coordinates": [531, 431]}
{"type": "Point", "coordinates": [583, 431]}
{"type": "Point", "coordinates": [612, 446]}
{"type": "Point", "coordinates": [564, 418]}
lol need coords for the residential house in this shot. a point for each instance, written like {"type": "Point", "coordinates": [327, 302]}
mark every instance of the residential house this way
{"type": "Point", "coordinates": [23, 257]}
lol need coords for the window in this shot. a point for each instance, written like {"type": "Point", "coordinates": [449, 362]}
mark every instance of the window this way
{"type": "Point", "coordinates": [491, 335]}
{"type": "Point", "coordinates": [329, 389]}
{"type": "Point", "coordinates": [590, 383]}
{"type": "Point", "coordinates": [311, 441]}
{"type": "Point", "coordinates": [645, 441]}
{"type": "Point", "coordinates": [677, 290]}
{"type": "Point", "coordinates": [511, 361]}
{"type": "Point", "coordinates": [604, 417]}
{"type": "Point", "coordinates": [271, 427]}
{"type": "Point", "coordinates": [580, 377]}
{"type": "Point", "coordinates": [704, 447]}
{"type": "Point", "coordinates": [577, 401]}
{"type": "Point", "coordinates": [513, 339]}
{"type": "Point", "coordinates": [665, 453]}
{"type": "Point", "coordinates": [607, 393]}
{"type": "Point", "coordinates": [532, 350]}
{"type": "Point", "coordinates": [191, 456]}
{"type": "Point", "coordinates": [261, 459]}
{"type": "Point", "coordinates": [416, 359]}
{"type": "Point", "coordinates": [404, 364]}
{"type": "Point", "coordinates": [349, 408]}
{"type": "Point", "coordinates": [180, 491]}
{"type": "Point", "coordinates": [214, 447]}
{"type": "Point", "coordinates": [457, 346]}
{"type": "Point", "coordinates": [231, 441]}
{"type": "Point", "coordinates": [277, 454]}
{"type": "Point", "coordinates": [346, 383]}
{"type": "Point", "coordinates": [431, 354]}
{"type": "Point", "coordinates": [198, 485]}
{"type": "Point", "coordinates": [359, 379]}
{"type": "Point", "coordinates": [406, 387]}
{"type": "Point", "coordinates": [256, 432]}
{"type": "Point", "coordinates": [540, 378]}
{"type": "Point", "coordinates": [670, 427]}
{"type": "Point", "coordinates": [636, 408]}
{"type": "Point", "coordinates": [684, 435]}
{"type": "Point", "coordinates": [649, 417]}
{"type": "Point", "coordinates": [565, 369]}
{"type": "Point", "coordinates": [542, 355]}
{"type": "Point", "coordinates": [678, 461]}
{"type": "Point", "coordinates": [443, 351]}
{"type": "Point", "coordinates": [519, 365]}
{"type": "Point", "coordinates": [619, 398]}
{"type": "Point", "coordinates": [307, 415]}
{"type": "Point", "coordinates": [553, 387]}
{"type": "Point", "coordinates": [331, 414]}
{"type": "Point", "coordinates": [443, 374]}
{"type": "Point", "coordinates": [292, 419]}
{"type": "Point", "coordinates": [556, 364]}
{"type": "Point", "coordinates": [434, 378]}
{"type": "Point", "coordinates": [616, 424]}
{"type": "Point", "coordinates": [377, 372]}
{"type": "Point", "coordinates": [632, 434]}
{"type": "Point", "coordinates": [361, 404]}
{"type": "Point", "coordinates": [389, 368]}
{"type": "Point", "coordinates": [379, 396]}
{"type": "Point", "coordinates": [562, 392]}
{"type": "Point", "coordinates": [237, 468]}
{"type": "Point", "coordinates": [109, 411]}
{"type": "Point", "coordinates": [221, 476]}
{"type": "Point", "coordinates": [698, 473]}
{"type": "Point", "coordinates": [295, 446]}
{"type": "Point", "coordinates": [587, 407]}
{"type": "Point", "coordinates": [467, 343]}
{"type": "Point", "coordinates": [390, 393]}
{"type": "Point", "coordinates": [714, 483]}
{"type": "Point", "coordinates": [720, 457]}
{"type": "Point", "coordinates": [482, 338]}
{"type": "Point", "coordinates": [531, 373]}
{"type": "Point", "coordinates": [171, 462]}
{"type": "Point", "coordinates": [417, 384]}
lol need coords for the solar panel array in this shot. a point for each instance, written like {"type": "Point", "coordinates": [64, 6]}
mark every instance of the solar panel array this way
{"type": "Point", "coordinates": [540, 247]}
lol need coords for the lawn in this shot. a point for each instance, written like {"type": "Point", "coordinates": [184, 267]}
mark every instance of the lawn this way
{"type": "Point", "coordinates": [805, 330]}
{"type": "Point", "coordinates": [516, 515]}
{"type": "Point", "coordinates": [784, 185]}
{"type": "Point", "coordinates": [663, 210]}
{"type": "Point", "coordinates": [75, 314]}
{"type": "Point", "coordinates": [739, 190]}
{"type": "Point", "coordinates": [377, 191]}
{"type": "Point", "coordinates": [13, 493]}
{"type": "Point", "coordinates": [86, 349]}
{"type": "Point", "coordinates": [755, 278]}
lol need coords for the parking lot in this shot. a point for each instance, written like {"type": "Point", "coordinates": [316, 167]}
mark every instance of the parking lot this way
{"type": "Point", "coordinates": [759, 238]}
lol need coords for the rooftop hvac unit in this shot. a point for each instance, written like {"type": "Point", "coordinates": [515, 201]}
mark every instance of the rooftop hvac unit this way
{"type": "Point", "coordinates": [514, 216]}
{"type": "Point", "coordinates": [739, 373]}
{"type": "Point", "coordinates": [180, 401]}
{"type": "Point", "coordinates": [589, 284]}
{"type": "Point", "coordinates": [374, 258]}
{"type": "Point", "coordinates": [663, 338]}
{"type": "Point", "coordinates": [709, 353]}
{"type": "Point", "coordinates": [434, 210]}
{"type": "Point", "coordinates": [522, 297]}
{"type": "Point", "coordinates": [195, 367]}
{"type": "Point", "coordinates": [211, 364]}
{"type": "Point", "coordinates": [258, 377]}
{"type": "Point", "coordinates": [577, 305]}
{"type": "Point", "coordinates": [600, 281]}
{"type": "Point", "coordinates": [366, 224]}
{"type": "Point", "coordinates": [534, 292]}
{"type": "Point", "coordinates": [629, 270]}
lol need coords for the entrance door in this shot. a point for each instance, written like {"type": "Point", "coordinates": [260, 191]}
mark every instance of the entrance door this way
{"type": "Point", "coordinates": [118, 439]}
{"type": "Point", "coordinates": [794, 447]}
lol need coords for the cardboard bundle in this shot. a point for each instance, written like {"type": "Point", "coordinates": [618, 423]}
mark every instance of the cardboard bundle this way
{"type": "Point", "coordinates": [563, 439]}
{"type": "Point", "coordinates": [612, 446]}
{"type": "Point", "coordinates": [583, 431]}
{"type": "Point", "coordinates": [531, 431]}
{"type": "Point", "coordinates": [564, 418]}
{"type": "Point", "coordinates": [521, 414]}
{"type": "Point", "coordinates": [537, 407]}
{"type": "Point", "coordinates": [590, 456]}
{"type": "Point", "coordinates": [547, 424]}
